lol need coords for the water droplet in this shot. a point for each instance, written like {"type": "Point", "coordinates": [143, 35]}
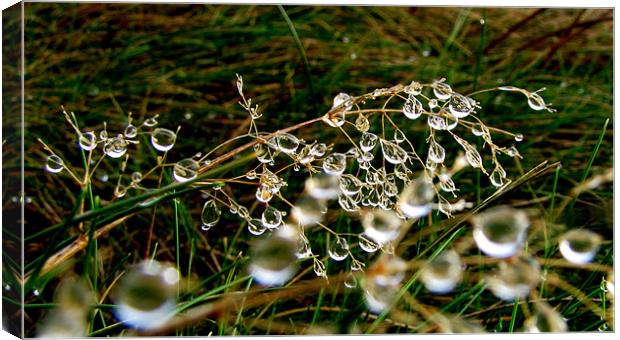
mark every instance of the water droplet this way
{"type": "Point", "coordinates": [150, 122]}
{"type": "Point", "coordinates": [515, 279]}
{"type": "Point", "coordinates": [303, 248]}
{"type": "Point", "coordinates": [377, 297]}
{"type": "Point", "coordinates": [36, 292]}
{"type": "Point", "coordinates": [88, 141]}
{"type": "Point", "coordinates": [367, 244]}
{"type": "Point", "coordinates": [120, 191]}
{"type": "Point", "coordinates": [443, 273]}
{"type": "Point", "coordinates": [287, 143]}
{"type": "Point", "coordinates": [437, 122]}
{"type": "Point", "coordinates": [536, 102]}
{"type": "Point", "coordinates": [436, 152]}
{"type": "Point", "coordinates": [273, 261]}
{"type": "Point", "coordinates": [250, 174]}
{"type": "Point", "coordinates": [460, 106]}
{"type": "Point", "coordinates": [580, 245]}
{"type": "Point", "coordinates": [336, 116]}
{"type": "Point", "coordinates": [478, 129]}
{"type": "Point", "coordinates": [104, 178]}
{"type": "Point", "coordinates": [185, 170]}
{"type": "Point", "coordinates": [322, 186]}
{"type": "Point", "coordinates": [347, 203]}
{"type": "Point", "coordinates": [545, 319]}
{"type": "Point", "coordinates": [145, 295]}
{"type": "Point", "coordinates": [368, 141]}
{"type": "Point", "coordinates": [115, 147]}
{"type": "Point", "coordinates": [136, 177]}
{"type": "Point", "coordinates": [500, 231]}
{"type": "Point", "coordinates": [335, 164]}
{"type": "Point", "coordinates": [350, 185]}
{"type": "Point", "coordinates": [399, 136]}
{"type": "Point", "coordinates": [415, 88]}
{"type": "Point", "coordinates": [350, 281]}
{"type": "Point", "coordinates": [54, 164]}
{"type": "Point", "coordinates": [442, 90]}
{"type": "Point", "coordinates": [518, 137]}
{"type": "Point", "coordinates": [103, 135]}
{"type": "Point", "coordinates": [271, 218]}
{"type": "Point", "coordinates": [262, 153]}
{"type": "Point", "coordinates": [130, 131]}
{"type": "Point", "coordinates": [256, 227]}
{"type": "Point", "coordinates": [163, 139]}
{"type": "Point", "coordinates": [319, 268]}
{"type": "Point", "coordinates": [415, 199]}
{"type": "Point", "coordinates": [412, 108]}
{"type": "Point", "coordinates": [338, 248]}
{"type": "Point", "coordinates": [497, 176]}
{"type": "Point", "coordinates": [210, 214]}
{"type": "Point", "coordinates": [361, 123]}
{"type": "Point", "coordinates": [308, 211]}
{"type": "Point", "coordinates": [264, 193]}
{"type": "Point", "coordinates": [381, 225]}
{"type": "Point", "coordinates": [392, 152]}
{"type": "Point", "coordinates": [319, 149]}
{"type": "Point", "coordinates": [446, 183]}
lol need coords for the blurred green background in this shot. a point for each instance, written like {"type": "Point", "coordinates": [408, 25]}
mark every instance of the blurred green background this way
{"type": "Point", "coordinates": [179, 61]}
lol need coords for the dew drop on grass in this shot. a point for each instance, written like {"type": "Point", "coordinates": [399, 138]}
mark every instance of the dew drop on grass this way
{"type": "Point", "coordinates": [308, 211]}
{"type": "Point", "coordinates": [342, 104]}
{"type": "Point", "coordinates": [545, 319]}
{"type": "Point", "coordinates": [436, 152]}
{"type": "Point", "coordinates": [381, 225]}
{"type": "Point", "coordinates": [322, 186]}
{"type": "Point", "coordinates": [145, 296]}
{"type": "Point", "coordinates": [460, 106]}
{"type": "Point", "coordinates": [347, 203]}
{"type": "Point", "coordinates": [264, 193]}
{"type": "Point", "coordinates": [514, 280]}
{"type": "Point", "coordinates": [412, 108]}
{"type": "Point", "coordinates": [579, 246]}
{"type": "Point", "coordinates": [120, 191]}
{"type": "Point", "coordinates": [477, 129]}
{"type": "Point", "coordinates": [88, 141]}
{"type": "Point", "coordinates": [518, 137]}
{"type": "Point", "coordinates": [150, 122]}
{"type": "Point", "coordinates": [350, 281]}
{"type": "Point", "coordinates": [392, 152]}
{"type": "Point", "coordinates": [338, 248]}
{"type": "Point", "coordinates": [415, 199]}
{"type": "Point", "coordinates": [437, 122]}
{"type": "Point", "coordinates": [536, 102]}
{"type": "Point", "coordinates": [262, 153]}
{"type": "Point", "coordinates": [130, 131]}
{"type": "Point", "coordinates": [163, 139]}
{"type": "Point", "coordinates": [210, 214]}
{"type": "Point", "coordinates": [442, 90]}
{"type": "Point", "coordinates": [136, 177]}
{"type": "Point", "coordinates": [319, 149]}
{"type": "Point", "coordinates": [271, 218]}
{"type": "Point", "coordinates": [361, 123]}
{"type": "Point", "coordinates": [273, 261]}
{"type": "Point", "coordinates": [319, 268]}
{"type": "Point", "coordinates": [500, 231]}
{"type": "Point", "coordinates": [367, 244]}
{"type": "Point", "coordinates": [287, 143]}
{"type": "Point", "coordinates": [185, 170]}
{"type": "Point", "coordinates": [350, 185]}
{"type": "Point", "coordinates": [256, 227]}
{"type": "Point", "coordinates": [335, 164]}
{"type": "Point", "coordinates": [54, 164]}
{"type": "Point", "coordinates": [443, 273]}
{"type": "Point", "coordinates": [368, 141]}
{"type": "Point", "coordinates": [497, 176]}
{"type": "Point", "coordinates": [115, 147]}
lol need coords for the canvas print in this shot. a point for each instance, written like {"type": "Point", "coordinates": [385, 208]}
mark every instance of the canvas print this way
{"type": "Point", "coordinates": [218, 169]}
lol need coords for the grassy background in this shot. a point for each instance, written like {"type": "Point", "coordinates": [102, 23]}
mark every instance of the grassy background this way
{"type": "Point", "coordinates": [179, 61]}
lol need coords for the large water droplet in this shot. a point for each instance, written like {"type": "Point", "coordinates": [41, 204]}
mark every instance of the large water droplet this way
{"type": "Point", "coordinates": [443, 273]}
{"type": "Point", "coordinates": [338, 248]}
{"type": "Point", "coordinates": [514, 280]}
{"type": "Point", "coordinates": [413, 108]}
{"type": "Point", "coordinates": [322, 186]}
{"type": "Point", "coordinates": [392, 152]}
{"type": "Point", "coordinates": [335, 164]}
{"type": "Point", "coordinates": [545, 319]}
{"type": "Point", "coordinates": [273, 261]}
{"type": "Point", "coordinates": [163, 139]}
{"type": "Point", "coordinates": [271, 218]}
{"type": "Point", "coordinates": [368, 141]}
{"type": "Point", "coordinates": [436, 152]}
{"type": "Point", "coordinates": [381, 225]}
{"type": "Point", "coordinates": [210, 214]}
{"type": "Point", "coordinates": [144, 297]}
{"type": "Point", "coordinates": [262, 153]}
{"type": "Point", "coordinates": [88, 141]}
{"type": "Point", "coordinates": [415, 199]}
{"type": "Point", "coordinates": [287, 143]}
{"type": "Point", "coordinates": [54, 164]}
{"type": "Point", "coordinates": [185, 170]}
{"type": "Point", "coordinates": [303, 248]}
{"type": "Point", "coordinates": [115, 147]}
{"type": "Point", "coordinates": [308, 211]}
{"type": "Point", "coordinates": [580, 245]}
{"type": "Point", "coordinates": [378, 298]}
{"type": "Point", "coordinates": [460, 106]}
{"type": "Point", "coordinates": [500, 231]}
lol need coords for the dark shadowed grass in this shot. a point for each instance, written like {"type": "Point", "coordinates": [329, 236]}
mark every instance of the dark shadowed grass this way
{"type": "Point", "coordinates": [179, 61]}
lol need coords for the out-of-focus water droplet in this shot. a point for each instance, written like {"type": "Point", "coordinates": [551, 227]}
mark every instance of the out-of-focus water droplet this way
{"type": "Point", "coordinates": [273, 261]}
{"type": "Point", "coordinates": [185, 170]}
{"type": "Point", "coordinates": [163, 139]}
{"type": "Point", "coordinates": [460, 106]}
{"type": "Point", "coordinates": [271, 218]}
{"type": "Point", "coordinates": [308, 211]}
{"type": "Point", "coordinates": [115, 147]}
{"type": "Point", "coordinates": [392, 152]}
{"type": "Point", "coordinates": [381, 226]}
{"type": "Point", "coordinates": [518, 137]}
{"type": "Point", "coordinates": [335, 164]}
{"type": "Point", "coordinates": [436, 152]}
{"type": "Point", "coordinates": [545, 319]}
{"type": "Point", "coordinates": [322, 186]}
{"type": "Point", "coordinates": [251, 174]}
{"type": "Point", "coordinates": [350, 281]}
{"type": "Point", "coordinates": [379, 298]}
{"type": "Point", "coordinates": [361, 123]}
{"type": "Point", "coordinates": [136, 177]}
{"type": "Point", "coordinates": [338, 248]}
{"type": "Point", "coordinates": [443, 273]}
{"type": "Point", "coordinates": [54, 164]}
{"type": "Point", "coordinates": [580, 245]}
{"type": "Point", "coordinates": [130, 131]}
{"type": "Point", "coordinates": [150, 122]}
{"type": "Point", "coordinates": [500, 231]}
{"type": "Point", "coordinates": [120, 191]}
{"type": "Point", "coordinates": [145, 296]}
{"type": "Point", "coordinates": [367, 244]}
{"type": "Point", "coordinates": [103, 134]}
{"type": "Point", "coordinates": [303, 248]}
{"type": "Point", "coordinates": [319, 149]}
{"type": "Point", "coordinates": [412, 108]}
{"type": "Point", "coordinates": [287, 143]}
{"type": "Point", "coordinates": [514, 280]}
{"type": "Point", "coordinates": [442, 90]}
{"type": "Point", "coordinates": [87, 141]}
{"type": "Point", "coordinates": [319, 268]}
{"type": "Point", "coordinates": [210, 214]}
{"type": "Point", "coordinates": [256, 227]}
{"type": "Point", "coordinates": [415, 199]}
